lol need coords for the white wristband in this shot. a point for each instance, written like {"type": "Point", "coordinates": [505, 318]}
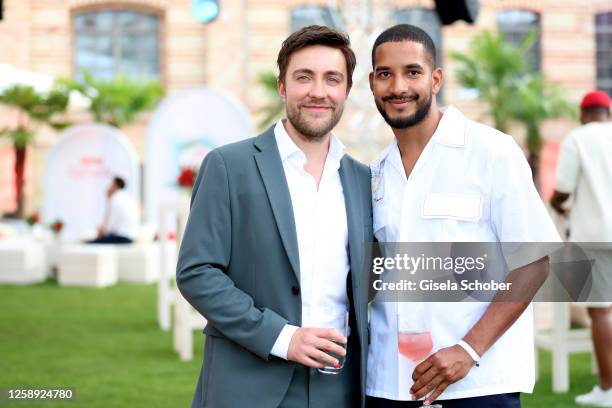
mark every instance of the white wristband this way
{"type": "Point", "coordinates": [468, 349]}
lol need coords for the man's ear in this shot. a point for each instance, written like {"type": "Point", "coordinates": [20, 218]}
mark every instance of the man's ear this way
{"type": "Point", "coordinates": [371, 78]}
{"type": "Point", "coordinates": [437, 76]}
{"type": "Point", "coordinates": [281, 90]}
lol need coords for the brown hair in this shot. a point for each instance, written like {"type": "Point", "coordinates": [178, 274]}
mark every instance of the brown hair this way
{"type": "Point", "coordinates": [316, 35]}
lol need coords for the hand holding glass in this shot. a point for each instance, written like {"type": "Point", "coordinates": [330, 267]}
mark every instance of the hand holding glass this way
{"type": "Point", "coordinates": [341, 325]}
{"type": "Point", "coordinates": [414, 339]}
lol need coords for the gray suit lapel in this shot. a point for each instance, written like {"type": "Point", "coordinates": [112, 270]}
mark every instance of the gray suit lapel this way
{"type": "Point", "coordinates": [354, 217]}
{"type": "Point", "coordinates": [271, 170]}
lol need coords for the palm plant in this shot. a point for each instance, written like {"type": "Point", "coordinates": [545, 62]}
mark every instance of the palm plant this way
{"type": "Point", "coordinates": [537, 101]}
{"type": "Point", "coordinates": [499, 72]}
{"type": "Point", "coordinates": [117, 102]}
{"type": "Point", "coordinates": [32, 108]}
{"type": "Point", "coordinates": [493, 67]}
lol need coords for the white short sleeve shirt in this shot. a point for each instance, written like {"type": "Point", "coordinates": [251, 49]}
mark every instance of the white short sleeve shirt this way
{"type": "Point", "coordinates": [471, 183]}
{"type": "Point", "coordinates": [585, 171]}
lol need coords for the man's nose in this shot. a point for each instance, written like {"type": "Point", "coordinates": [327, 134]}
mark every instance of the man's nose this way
{"type": "Point", "coordinates": [317, 90]}
{"type": "Point", "coordinates": [398, 85]}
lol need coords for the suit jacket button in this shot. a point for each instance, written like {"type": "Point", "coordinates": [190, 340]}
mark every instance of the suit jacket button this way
{"type": "Point", "coordinates": [295, 290]}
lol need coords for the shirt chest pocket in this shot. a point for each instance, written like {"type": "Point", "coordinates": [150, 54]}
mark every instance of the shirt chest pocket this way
{"type": "Point", "coordinates": [456, 216]}
{"type": "Point", "coordinates": [452, 206]}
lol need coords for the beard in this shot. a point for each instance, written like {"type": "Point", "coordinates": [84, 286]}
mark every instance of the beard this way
{"type": "Point", "coordinates": [408, 121]}
{"type": "Point", "coordinates": [310, 129]}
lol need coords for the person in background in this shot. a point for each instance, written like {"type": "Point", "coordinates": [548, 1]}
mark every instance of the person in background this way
{"type": "Point", "coordinates": [584, 172]}
{"type": "Point", "coordinates": [120, 225]}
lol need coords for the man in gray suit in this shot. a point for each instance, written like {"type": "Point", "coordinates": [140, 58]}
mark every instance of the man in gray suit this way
{"type": "Point", "coordinates": [274, 247]}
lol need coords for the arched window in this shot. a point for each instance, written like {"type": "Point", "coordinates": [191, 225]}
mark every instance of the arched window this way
{"type": "Point", "coordinates": [603, 40]}
{"type": "Point", "coordinates": [428, 21]}
{"type": "Point", "coordinates": [117, 41]}
{"type": "Point", "coordinates": [309, 15]}
{"type": "Point", "coordinates": [515, 25]}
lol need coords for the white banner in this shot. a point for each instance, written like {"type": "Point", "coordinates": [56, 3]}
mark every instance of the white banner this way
{"type": "Point", "coordinates": [183, 129]}
{"type": "Point", "coordinates": [79, 169]}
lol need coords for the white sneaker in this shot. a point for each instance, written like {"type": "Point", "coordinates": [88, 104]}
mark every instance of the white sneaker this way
{"type": "Point", "coordinates": [596, 398]}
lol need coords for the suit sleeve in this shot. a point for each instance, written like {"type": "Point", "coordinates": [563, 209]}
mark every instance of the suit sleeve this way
{"type": "Point", "coordinates": [204, 258]}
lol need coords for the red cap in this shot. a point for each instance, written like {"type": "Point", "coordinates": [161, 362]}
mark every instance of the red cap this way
{"type": "Point", "coordinates": [595, 99]}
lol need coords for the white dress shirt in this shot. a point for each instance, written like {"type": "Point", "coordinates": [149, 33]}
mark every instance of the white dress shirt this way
{"type": "Point", "coordinates": [122, 215]}
{"type": "Point", "coordinates": [471, 183]}
{"type": "Point", "coordinates": [585, 171]}
{"type": "Point", "coordinates": [322, 235]}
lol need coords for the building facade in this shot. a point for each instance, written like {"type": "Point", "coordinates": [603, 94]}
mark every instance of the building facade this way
{"type": "Point", "coordinates": [161, 39]}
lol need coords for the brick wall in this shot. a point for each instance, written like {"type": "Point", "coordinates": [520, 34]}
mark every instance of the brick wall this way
{"type": "Point", "coordinates": [229, 53]}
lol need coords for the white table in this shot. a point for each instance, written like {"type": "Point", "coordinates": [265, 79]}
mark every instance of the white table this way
{"type": "Point", "coordinates": [138, 262]}
{"type": "Point", "coordinates": [87, 265]}
{"type": "Point", "coordinates": [22, 261]}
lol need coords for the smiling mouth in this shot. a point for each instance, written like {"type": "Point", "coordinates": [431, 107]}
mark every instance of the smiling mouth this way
{"type": "Point", "coordinates": [317, 108]}
{"type": "Point", "coordinates": [400, 102]}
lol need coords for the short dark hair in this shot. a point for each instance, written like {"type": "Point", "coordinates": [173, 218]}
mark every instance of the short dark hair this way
{"type": "Point", "coordinates": [119, 182]}
{"type": "Point", "coordinates": [316, 35]}
{"type": "Point", "coordinates": [406, 32]}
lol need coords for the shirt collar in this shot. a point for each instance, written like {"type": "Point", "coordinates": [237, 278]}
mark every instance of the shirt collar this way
{"type": "Point", "coordinates": [336, 148]}
{"type": "Point", "coordinates": [451, 131]}
{"type": "Point", "coordinates": [287, 147]}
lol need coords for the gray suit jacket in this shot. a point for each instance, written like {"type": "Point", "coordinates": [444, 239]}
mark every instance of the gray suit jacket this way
{"type": "Point", "coordinates": [239, 267]}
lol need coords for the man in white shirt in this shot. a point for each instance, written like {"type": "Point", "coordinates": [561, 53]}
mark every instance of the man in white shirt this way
{"type": "Point", "coordinates": [446, 178]}
{"type": "Point", "coordinates": [120, 224]}
{"type": "Point", "coordinates": [265, 256]}
{"type": "Point", "coordinates": [584, 171]}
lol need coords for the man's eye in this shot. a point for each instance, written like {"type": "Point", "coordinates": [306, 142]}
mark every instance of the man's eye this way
{"type": "Point", "coordinates": [384, 75]}
{"type": "Point", "coordinates": [413, 73]}
{"type": "Point", "coordinates": [302, 78]}
{"type": "Point", "coordinates": [334, 80]}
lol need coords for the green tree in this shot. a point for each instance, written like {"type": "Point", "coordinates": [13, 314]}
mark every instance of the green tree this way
{"type": "Point", "coordinates": [33, 109]}
{"type": "Point", "coordinates": [512, 92]}
{"type": "Point", "coordinates": [493, 67]}
{"type": "Point", "coordinates": [117, 102]}
{"type": "Point", "coordinates": [537, 101]}
{"type": "Point", "coordinates": [274, 108]}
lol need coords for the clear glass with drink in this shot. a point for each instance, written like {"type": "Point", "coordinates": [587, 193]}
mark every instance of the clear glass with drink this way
{"type": "Point", "coordinates": [414, 340]}
{"type": "Point", "coordinates": [338, 321]}
{"type": "Point", "coordinates": [413, 336]}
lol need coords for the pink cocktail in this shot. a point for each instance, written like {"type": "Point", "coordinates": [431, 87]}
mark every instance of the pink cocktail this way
{"type": "Point", "coordinates": [415, 346]}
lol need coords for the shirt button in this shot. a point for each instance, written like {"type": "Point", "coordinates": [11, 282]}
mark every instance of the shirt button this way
{"type": "Point", "coordinates": [295, 290]}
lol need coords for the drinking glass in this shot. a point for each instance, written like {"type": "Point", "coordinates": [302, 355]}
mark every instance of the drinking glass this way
{"type": "Point", "coordinates": [340, 323]}
{"type": "Point", "coordinates": [414, 337]}
{"type": "Point", "coordinates": [414, 340]}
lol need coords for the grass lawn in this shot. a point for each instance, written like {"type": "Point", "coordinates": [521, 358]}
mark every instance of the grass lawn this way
{"type": "Point", "coordinates": [103, 343]}
{"type": "Point", "coordinates": [106, 345]}
{"type": "Point", "coordinates": [581, 381]}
